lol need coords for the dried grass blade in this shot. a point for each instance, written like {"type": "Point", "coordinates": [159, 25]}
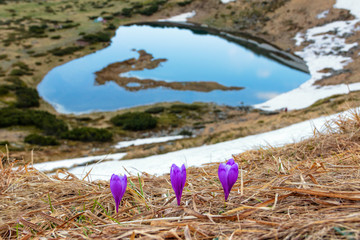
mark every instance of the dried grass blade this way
{"type": "Point", "coordinates": [244, 208]}
{"type": "Point", "coordinates": [132, 237]}
{"type": "Point", "coordinates": [313, 179]}
{"type": "Point", "coordinates": [1, 165]}
{"type": "Point", "coordinates": [187, 233]}
{"type": "Point", "coordinates": [90, 214]}
{"type": "Point", "coordinates": [87, 174]}
{"type": "Point", "coordinates": [260, 206]}
{"type": "Point", "coordinates": [249, 231]}
{"type": "Point", "coordinates": [337, 220]}
{"type": "Point", "coordinates": [194, 213]}
{"type": "Point", "coordinates": [30, 225]}
{"type": "Point", "coordinates": [72, 218]}
{"type": "Point", "coordinates": [173, 232]}
{"type": "Point", "coordinates": [194, 202]}
{"type": "Point", "coordinates": [25, 237]}
{"type": "Point", "coordinates": [323, 194]}
{"type": "Point", "coordinates": [263, 222]}
{"type": "Point", "coordinates": [251, 211]}
{"type": "Point", "coordinates": [161, 219]}
{"type": "Point", "coordinates": [50, 218]}
{"type": "Point", "coordinates": [129, 233]}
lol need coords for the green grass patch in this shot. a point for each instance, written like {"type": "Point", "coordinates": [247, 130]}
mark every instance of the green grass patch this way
{"type": "Point", "coordinates": [65, 51]}
{"type": "Point", "coordinates": [180, 108]}
{"type": "Point", "coordinates": [135, 121]}
{"type": "Point", "coordinates": [27, 97]}
{"type": "Point", "coordinates": [41, 140]}
{"type": "Point", "coordinates": [40, 119]}
{"type": "Point", "coordinates": [97, 37]}
{"type": "Point", "coordinates": [184, 3]}
{"type": "Point", "coordinates": [17, 83]}
{"type": "Point", "coordinates": [4, 89]}
{"type": "Point", "coordinates": [55, 37]}
{"type": "Point", "coordinates": [87, 134]}
{"type": "Point", "coordinates": [36, 29]}
{"type": "Point", "coordinates": [324, 100]}
{"type": "Point", "coordinates": [17, 72]}
{"type": "Point", "coordinates": [155, 110]}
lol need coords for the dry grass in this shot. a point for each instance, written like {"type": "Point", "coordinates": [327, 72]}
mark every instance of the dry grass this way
{"type": "Point", "coordinates": [308, 190]}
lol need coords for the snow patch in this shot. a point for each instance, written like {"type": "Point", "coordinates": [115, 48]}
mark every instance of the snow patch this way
{"type": "Point", "coordinates": [68, 163]}
{"type": "Point", "coordinates": [160, 164]}
{"type": "Point", "coordinates": [143, 141]}
{"type": "Point", "coordinates": [180, 18]}
{"type": "Point", "coordinates": [227, 1]}
{"type": "Point", "coordinates": [327, 42]}
{"type": "Point", "coordinates": [299, 38]}
{"type": "Point", "coordinates": [322, 14]}
{"type": "Point", "coordinates": [352, 5]}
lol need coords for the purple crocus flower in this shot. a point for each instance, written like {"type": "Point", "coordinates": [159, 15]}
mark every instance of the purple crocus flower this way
{"type": "Point", "coordinates": [118, 186]}
{"type": "Point", "coordinates": [228, 174]}
{"type": "Point", "coordinates": [178, 179]}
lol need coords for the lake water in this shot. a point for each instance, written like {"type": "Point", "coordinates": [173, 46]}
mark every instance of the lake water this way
{"type": "Point", "coordinates": [191, 56]}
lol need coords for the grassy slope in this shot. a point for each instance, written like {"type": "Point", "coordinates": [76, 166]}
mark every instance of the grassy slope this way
{"type": "Point", "coordinates": [313, 194]}
{"type": "Point", "coordinates": [253, 17]}
{"type": "Point", "coordinates": [306, 190]}
{"type": "Point", "coordinates": [213, 130]}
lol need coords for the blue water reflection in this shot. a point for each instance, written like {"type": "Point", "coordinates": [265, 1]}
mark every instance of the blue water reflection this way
{"type": "Point", "coordinates": [191, 57]}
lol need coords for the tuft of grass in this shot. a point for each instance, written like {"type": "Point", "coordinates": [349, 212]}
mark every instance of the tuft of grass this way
{"type": "Point", "coordinates": [51, 207]}
{"type": "Point", "coordinates": [40, 140]}
{"type": "Point", "coordinates": [324, 100]}
{"type": "Point", "coordinates": [135, 121]}
{"type": "Point", "coordinates": [87, 134]}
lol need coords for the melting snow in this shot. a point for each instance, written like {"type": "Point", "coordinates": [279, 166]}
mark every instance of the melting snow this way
{"type": "Point", "coordinates": [326, 44]}
{"type": "Point", "coordinates": [143, 141]}
{"type": "Point", "coordinates": [227, 1]}
{"type": "Point", "coordinates": [160, 164]}
{"type": "Point", "coordinates": [180, 18]}
{"type": "Point", "coordinates": [68, 163]}
{"type": "Point", "coordinates": [323, 14]}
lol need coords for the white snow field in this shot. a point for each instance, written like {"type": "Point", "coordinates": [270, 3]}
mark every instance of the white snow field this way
{"type": "Point", "coordinates": [160, 164]}
{"type": "Point", "coordinates": [324, 52]}
{"type": "Point", "coordinates": [143, 141]}
{"type": "Point", "coordinates": [180, 18]}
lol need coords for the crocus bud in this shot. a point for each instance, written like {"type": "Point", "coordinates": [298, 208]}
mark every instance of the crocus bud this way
{"type": "Point", "coordinates": [178, 179]}
{"type": "Point", "coordinates": [118, 186]}
{"type": "Point", "coordinates": [228, 174]}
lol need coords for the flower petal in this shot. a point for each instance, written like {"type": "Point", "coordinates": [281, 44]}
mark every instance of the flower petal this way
{"type": "Point", "coordinates": [230, 162]}
{"type": "Point", "coordinates": [222, 173]}
{"type": "Point", "coordinates": [178, 178]}
{"type": "Point", "coordinates": [123, 182]}
{"type": "Point", "coordinates": [183, 176]}
{"type": "Point", "coordinates": [118, 188]}
{"type": "Point", "coordinates": [174, 172]}
{"type": "Point", "coordinates": [233, 175]}
{"type": "Point", "coordinates": [175, 181]}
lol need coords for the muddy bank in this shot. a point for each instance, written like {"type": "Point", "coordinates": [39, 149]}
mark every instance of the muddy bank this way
{"type": "Point", "coordinates": [114, 71]}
